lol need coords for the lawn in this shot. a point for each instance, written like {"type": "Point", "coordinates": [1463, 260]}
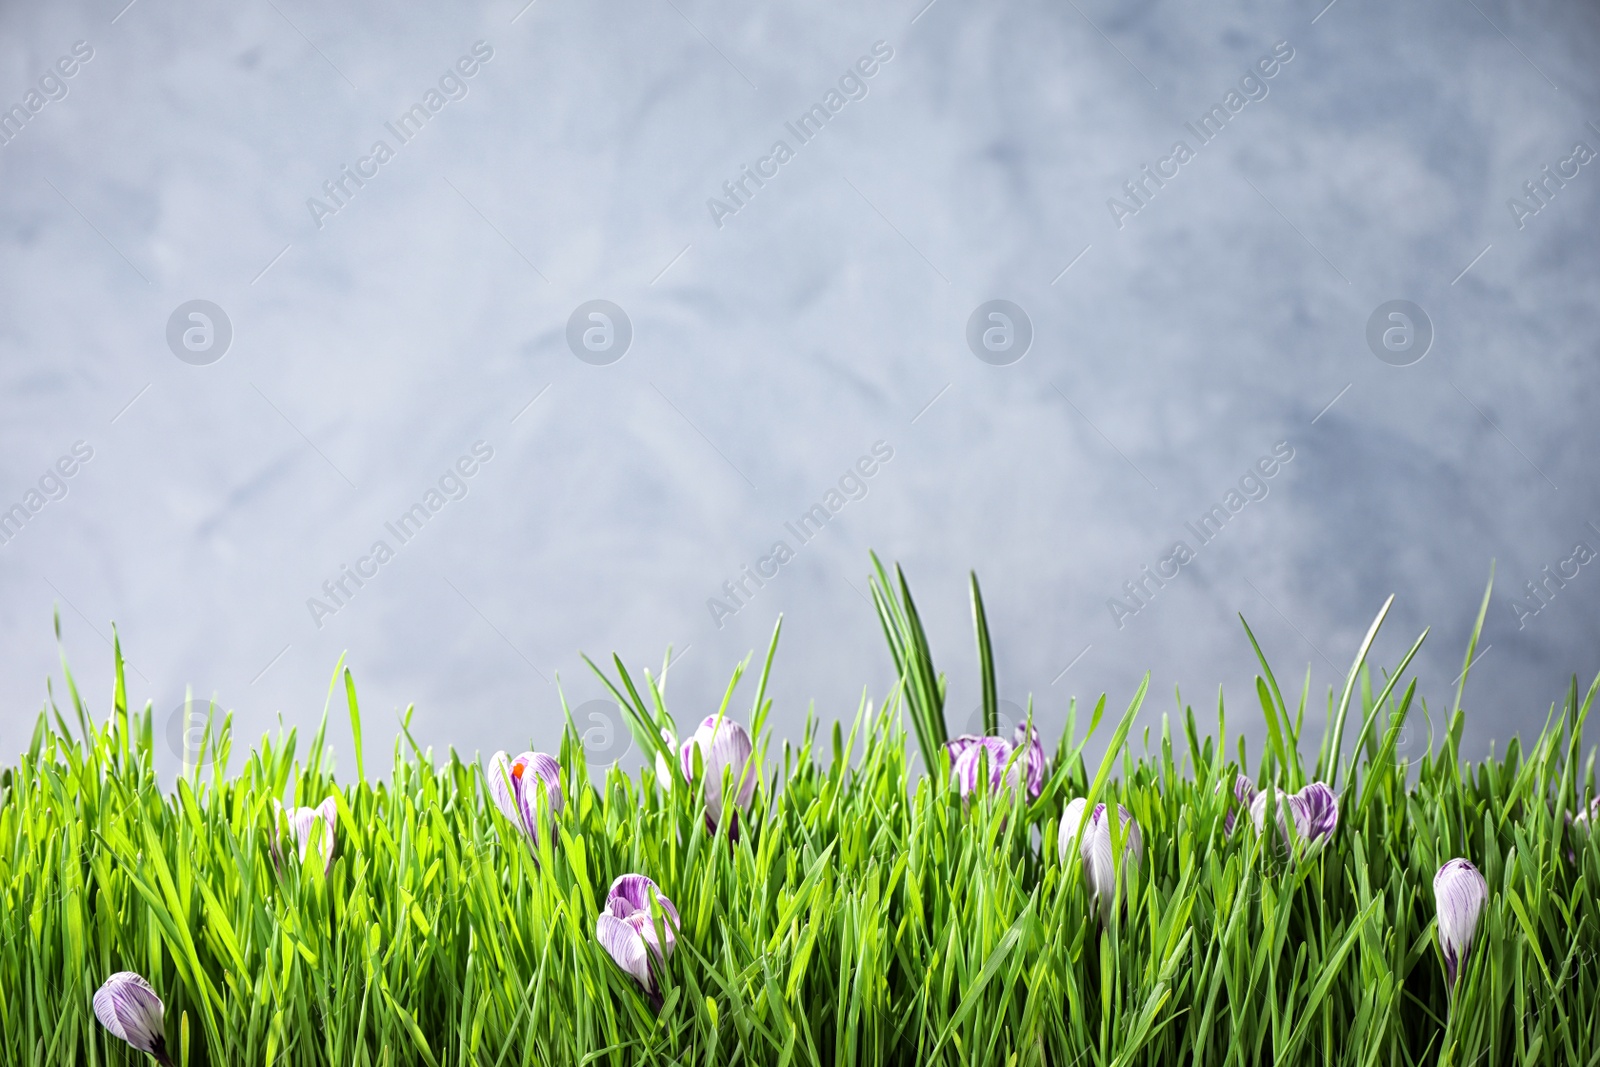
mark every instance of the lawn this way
{"type": "Point", "coordinates": [820, 901]}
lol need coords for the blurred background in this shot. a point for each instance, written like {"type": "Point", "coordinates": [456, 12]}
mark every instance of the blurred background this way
{"type": "Point", "coordinates": [633, 324]}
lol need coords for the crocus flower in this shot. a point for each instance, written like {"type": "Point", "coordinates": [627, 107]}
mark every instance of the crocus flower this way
{"type": "Point", "coordinates": [130, 1009]}
{"type": "Point", "coordinates": [1315, 810]}
{"type": "Point", "coordinates": [724, 745]}
{"type": "Point", "coordinates": [1244, 792]}
{"type": "Point", "coordinates": [1094, 848]}
{"type": "Point", "coordinates": [1459, 893]}
{"type": "Point", "coordinates": [973, 751]}
{"type": "Point", "coordinates": [301, 821]}
{"type": "Point", "coordinates": [512, 785]}
{"type": "Point", "coordinates": [626, 928]}
{"type": "Point", "coordinates": [967, 750]}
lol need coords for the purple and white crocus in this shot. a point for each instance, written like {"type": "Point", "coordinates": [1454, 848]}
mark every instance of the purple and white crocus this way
{"type": "Point", "coordinates": [320, 823]}
{"type": "Point", "coordinates": [1459, 893]}
{"type": "Point", "coordinates": [628, 931]}
{"type": "Point", "coordinates": [1315, 810]}
{"type": "Point", "coordinates": [130, 1009]}
{"type": "Point", "coordinates": [1091, 839]}
{"type": "Point", "coordinates": [969, 751]}
{"type": "Point", "coordinates": [516, 785]}
{"type": "Point", "coordinates": [724, 746]}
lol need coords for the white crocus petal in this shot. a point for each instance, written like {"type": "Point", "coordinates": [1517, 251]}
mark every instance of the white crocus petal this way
{"type": "Point", "coordinates": [303, 824]}
{"type": "Point", "coordinates": [129, 1008]}
{"type": "Point", "coordinates": [1459, 893]}
{"type": "Point", "coordinates": [325, 815]}
{"type": "Point", "coordinates": [503, 786]}
{"type": "Point", "coordinates": [1071, 820]}
{"type": "Point", "coordinates": [1099, 868]}
{"type": "Point", "coordinates": [664, 776]}
{"type": "Point", "coordinates": [626, 945]}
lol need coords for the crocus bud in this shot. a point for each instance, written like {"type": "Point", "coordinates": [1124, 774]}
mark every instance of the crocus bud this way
{"type": "Point", "coordinates": [1315, 810]}
{"type": "Point", "coordinates": [1094, 848]}
{"type": "Point", "coordinates": [626, 928]}
{"type": "Point", "coordinates": [1244, 795]}
{"type": "Point", "coordinates": [130, 1009]}
{"type": "Point", "coordinates": [723, 746]}
{"type": "Point", "coordinates": [515, 785]}
{"type": "Point", "coordinates": [324, 818]}
{"type": "Point", "coordinates": [1097, 866]}
{"type": "Point", "coordinates": [1459, 893]}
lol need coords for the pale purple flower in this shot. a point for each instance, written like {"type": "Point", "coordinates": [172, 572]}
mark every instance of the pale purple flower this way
{"type": "Point", "coordinates": [130, 1009]}
{"type": "Point", "coordinates": [516, 785]}
{"type": "Point", "coordinates": [626, 928]}
{"type": "Point", "coordinates": [960, 744]}
{"type": "Point", "coordinates": [1459, 893]}
{"type": "Point", "coordinates": [973, 752]}
{"type": "Point", "coordinates": [967, 751]}
{"type": "Point", "coordinates": [1244, 794]}
{"type": "Point", "coordinates": [320, 822]}
{"type": "Point", "coordinates": [1315, 810]}
{"type": "Point", "coordinates": [1093, 837]}
{"type": "Point", "coordinates": [724, 746]}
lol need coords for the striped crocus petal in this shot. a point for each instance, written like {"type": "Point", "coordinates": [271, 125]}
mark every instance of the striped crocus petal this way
{"type": "Point", "coordinates": [1459, 893]}
{"type": "Point", "coordinates": [1071, 823]}
{"type": "Point", "coordinates": [629, 899]}
{"type": "Point", "coordinates": [540, 777]}
{"type": "Point", "coordinates": [130, 1009]}
{"type": "Point", "coordinates": [724, 746]}
{"type": "Point", "coordinates": [1244, 795]}
{"type": "Point", "coordinates": [959, 745]}
{"type": "Point", "coordinates": [686, 758]}
{"type": "Point", "coordinates": [994, 750]}
{"type": "Point", "coordinates": [1316, 812]}
{"type": "Point", "coordinates": [1035, 757]}
{"type": "Point", "coordinates": [505, 782]}
{"type": "Point", "coordinates": [1098, 867]}
{"type": "Point", "coordinates": [623, 943]}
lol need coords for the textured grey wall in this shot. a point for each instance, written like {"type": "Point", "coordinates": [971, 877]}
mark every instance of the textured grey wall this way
{"type": "Point", "coordinates": [1181, 332]}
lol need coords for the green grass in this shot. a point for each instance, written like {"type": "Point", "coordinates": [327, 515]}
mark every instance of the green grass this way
{"type": "Point", "coordinates": [865, 913]}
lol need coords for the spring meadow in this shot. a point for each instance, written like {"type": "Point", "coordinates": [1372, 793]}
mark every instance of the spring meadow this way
{"type": "Point", "coordinates": [828, 902]}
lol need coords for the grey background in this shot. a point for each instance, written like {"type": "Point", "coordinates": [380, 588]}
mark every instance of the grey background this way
{"type": "Point", "coordinates": [768, 354]}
